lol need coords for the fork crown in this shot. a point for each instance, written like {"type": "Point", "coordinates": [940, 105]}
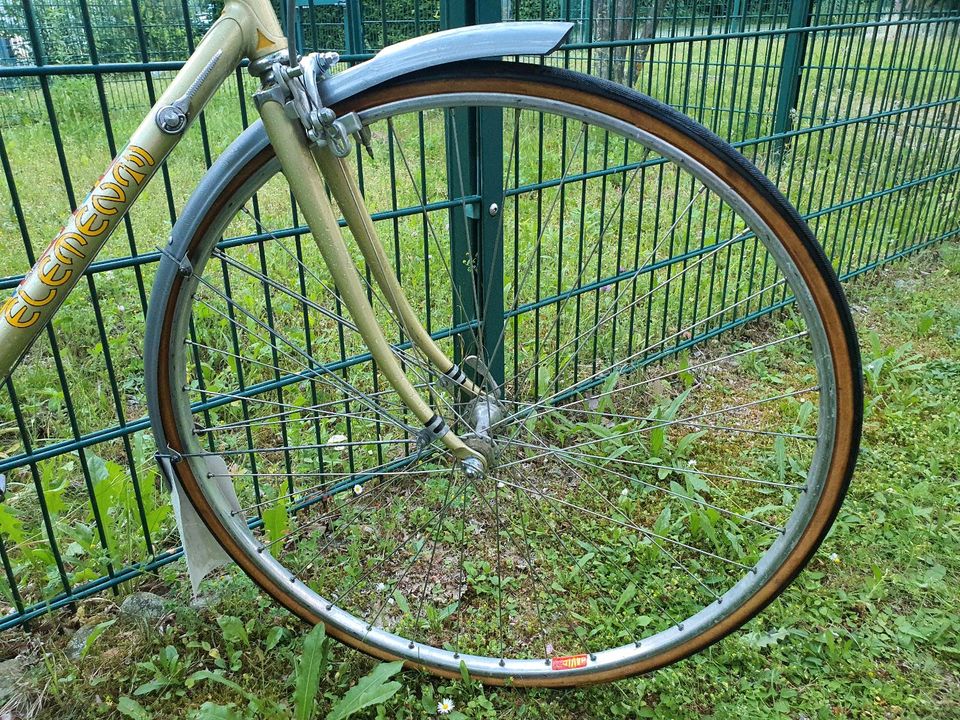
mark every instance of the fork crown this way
{"type": "Point", "coordinates": [297, 89]}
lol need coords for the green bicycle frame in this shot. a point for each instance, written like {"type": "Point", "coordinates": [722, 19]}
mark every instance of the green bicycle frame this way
{"type": "Point", "coordinates": [247, 29]}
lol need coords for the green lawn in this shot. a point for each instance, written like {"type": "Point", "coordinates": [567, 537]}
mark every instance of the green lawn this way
{"type": "Point", "coordinates": [868, 631]}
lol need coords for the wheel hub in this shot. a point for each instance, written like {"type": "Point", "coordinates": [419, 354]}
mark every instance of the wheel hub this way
{"type": "Point", "coordinates": [482, 415]}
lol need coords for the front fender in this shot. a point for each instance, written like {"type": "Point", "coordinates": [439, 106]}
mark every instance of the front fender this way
{"type": "Point", "coordinates": [457, 45]}
{"type": "Point", "coordinates": [466, 43]}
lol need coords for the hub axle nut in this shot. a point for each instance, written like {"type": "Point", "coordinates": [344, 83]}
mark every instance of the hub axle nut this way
{"type": "Point", "coordinates": [472, 468]}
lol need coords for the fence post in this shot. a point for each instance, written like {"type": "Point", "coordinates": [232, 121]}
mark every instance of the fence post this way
{"type": "Point", "coordinates": [474, 142]}
{"type": "Point", "coordinates": [794, 49]}
{"type": "Point", "coordinates": [353, 28]}
{"type": "Point", "coordinates": [737, 17]}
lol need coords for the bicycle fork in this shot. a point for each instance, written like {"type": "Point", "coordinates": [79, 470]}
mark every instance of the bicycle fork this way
{"type": "Point", "coordinates": [308, 169]}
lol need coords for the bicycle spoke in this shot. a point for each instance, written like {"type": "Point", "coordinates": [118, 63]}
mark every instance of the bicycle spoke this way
{"type": "Point", "coordinates": [668, 423]}
{"type": "Point", "coordinates": [670, 556]}
{"type": "Point", "coordinates": [633, 303]}
{"type": "Point", "coordinates": [637, 355]}
{"type": "Point", "coordinates": [655, 466]}
{"type": "Point", "coordinates": [584, 458]}
{"type": "Point", "coordinates": [311, 366]}
{"type": "Point", "coordinates": [632, 526]}
{"type": "Point", "coordinates": [661, 431]}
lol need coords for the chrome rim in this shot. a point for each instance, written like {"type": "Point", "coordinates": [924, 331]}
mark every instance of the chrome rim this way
{"type": "Point", "coordinates": [590, 660]}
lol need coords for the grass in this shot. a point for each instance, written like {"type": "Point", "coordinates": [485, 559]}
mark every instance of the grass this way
{"type": "Point", "coordinates": [868, 630]}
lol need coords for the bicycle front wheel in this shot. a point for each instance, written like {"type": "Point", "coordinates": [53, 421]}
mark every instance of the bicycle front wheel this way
{"type": "Point", "coordinates": [672, 385]}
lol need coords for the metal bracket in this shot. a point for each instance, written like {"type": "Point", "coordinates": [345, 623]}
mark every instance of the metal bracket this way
{"type": "Point", "coordinates": [166, 461]}
{"type": "Point", "coordinates": [273, 93]}
{"type": "Point", "coordinates": [3, 487]}
{"type": "Point", "coordinates": [435, 428]}
{"type": "Point", "coordinates": [480, 367]}
{"type": "Point", "coordinates": [170, 455]}
{"type": "Point", "coordinates": [172, 119]}
{"type": "Point", "coordinates": [184, 266]}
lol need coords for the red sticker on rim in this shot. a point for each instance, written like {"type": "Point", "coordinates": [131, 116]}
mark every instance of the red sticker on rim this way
{"type": "Point", "coordinates": [569, 662]}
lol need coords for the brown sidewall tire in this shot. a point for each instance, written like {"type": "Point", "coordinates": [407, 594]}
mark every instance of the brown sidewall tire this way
{"type": "Point", "coordinates": [695, 141]}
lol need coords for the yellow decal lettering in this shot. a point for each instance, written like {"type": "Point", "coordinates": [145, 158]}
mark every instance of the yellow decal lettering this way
{"type": "Point", "coordinates": [108, 192]}
{"type": "Point", "coordinates": [132, 174]}
{"type": "Point", "coordinates": [115, 171]}
{"type": "Point", "coordinates": [25, 296]}
{"type": "Point", "coordinates": [98, 205]}
{"type": "Point", "coordinates": [87, 228]}
{"type": "Point", "coordinates": [63, 246]}
{"type": "Point", "coordinates": [138, 177]}
{"type": "Point", "coordinates": [140, 156]}
{"type": "Point", "coordinates": [15, 317]}
{"type": "Point", "coordinates": [92, 219]}
{"type": "Point", "coordinates": [48, 274]}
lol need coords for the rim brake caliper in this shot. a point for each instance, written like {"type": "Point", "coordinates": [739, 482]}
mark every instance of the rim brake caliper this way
{"type": "Point", "coordinates": [321, 124]}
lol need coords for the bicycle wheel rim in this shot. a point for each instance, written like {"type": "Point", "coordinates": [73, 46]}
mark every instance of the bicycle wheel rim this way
{"type": "Point", "coordinates": [782, 560]}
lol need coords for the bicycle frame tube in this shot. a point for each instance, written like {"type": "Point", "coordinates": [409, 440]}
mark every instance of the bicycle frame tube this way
{"type": "Point", "coordinates": [246, 29]}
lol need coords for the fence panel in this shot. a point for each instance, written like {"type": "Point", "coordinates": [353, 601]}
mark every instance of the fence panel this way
{"type": "Point", "coordinates": [849, 106]}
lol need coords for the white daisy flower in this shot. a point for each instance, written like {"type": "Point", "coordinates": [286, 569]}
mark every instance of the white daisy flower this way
{"type": "Point", "coordinates": [445, 706]}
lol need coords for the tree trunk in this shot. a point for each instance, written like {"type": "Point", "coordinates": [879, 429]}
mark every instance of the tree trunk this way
{"type": "Point", "coordinates": [623, 30]}
{"type": "Point", "coordinates": [648, 32]}
{"type": "Point", "coordinates": [613, 21]}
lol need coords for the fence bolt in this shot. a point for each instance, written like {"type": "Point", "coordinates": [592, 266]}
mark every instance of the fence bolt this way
{"type": "Point", "coordinates": [493, 209]}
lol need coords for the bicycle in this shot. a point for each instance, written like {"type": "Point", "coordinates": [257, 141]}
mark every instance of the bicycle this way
{"type": "Point", "coordinates": [551, 491]}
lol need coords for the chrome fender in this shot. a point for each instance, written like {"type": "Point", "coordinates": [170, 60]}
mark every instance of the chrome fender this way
{"type": "Point", "coordinates": [466, 43]}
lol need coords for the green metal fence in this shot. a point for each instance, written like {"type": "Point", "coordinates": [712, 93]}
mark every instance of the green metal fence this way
{"type": "Point", "coordinates": [849, 106]}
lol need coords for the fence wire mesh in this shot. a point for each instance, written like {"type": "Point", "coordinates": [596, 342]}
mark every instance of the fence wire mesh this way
{"type": "Point", "coordinates": [848, 105]}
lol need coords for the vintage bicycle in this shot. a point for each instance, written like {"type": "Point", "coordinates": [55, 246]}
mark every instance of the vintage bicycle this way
{"type": "Point", "coordinates": [607, 460]}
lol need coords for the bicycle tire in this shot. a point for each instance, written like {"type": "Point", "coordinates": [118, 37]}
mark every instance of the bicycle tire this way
{"type": "Point", "coordinates": [171, 304]}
